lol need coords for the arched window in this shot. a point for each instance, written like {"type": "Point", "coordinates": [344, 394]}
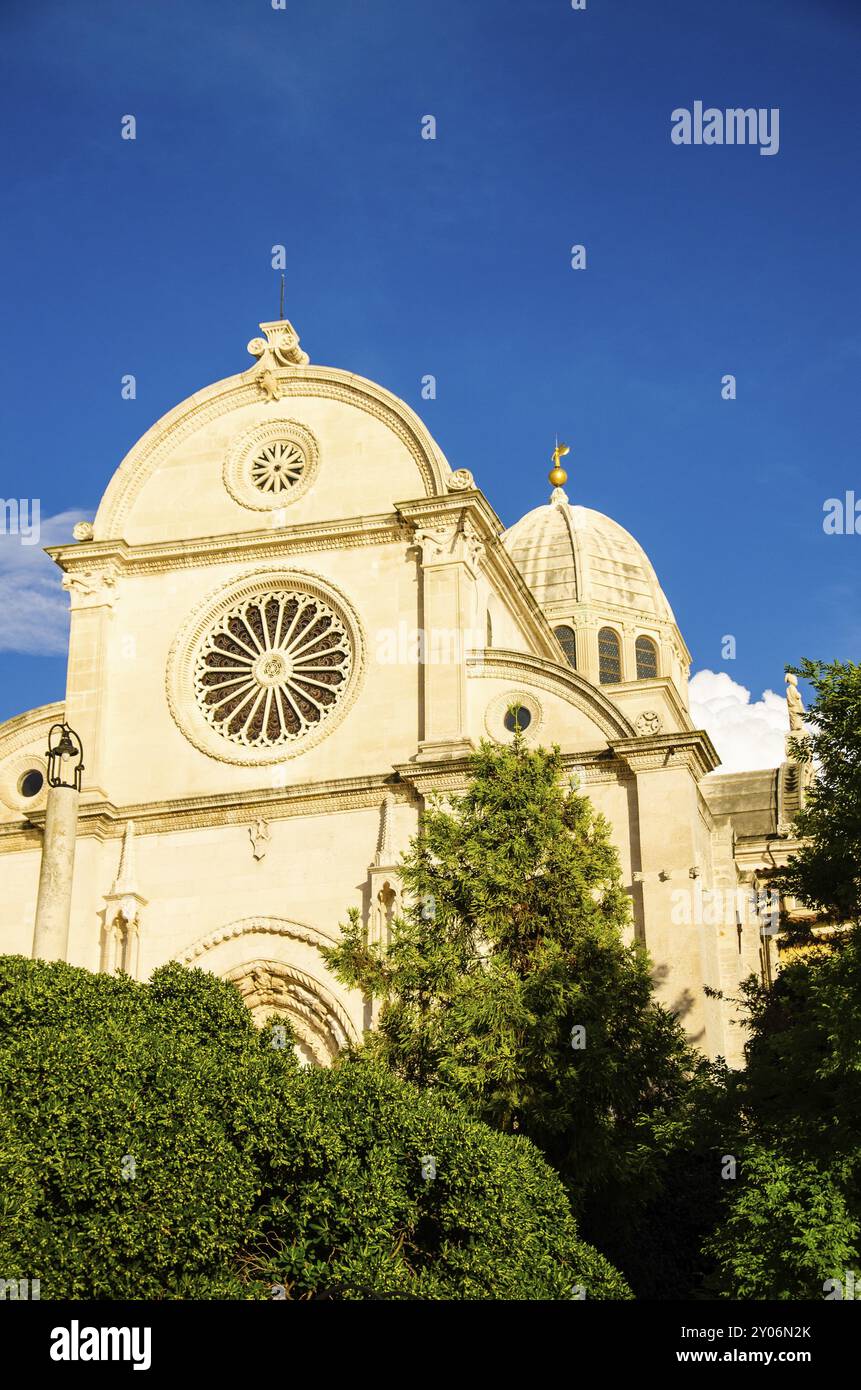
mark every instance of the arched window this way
{"type": "Point", "coordinates": [568, 643]}
{"type": "Point", "coordinates": [609, 657]}
{"type": "Point", "coordinates": [489, 642]}
{"type": "Point", "coordinates": [647, 659]}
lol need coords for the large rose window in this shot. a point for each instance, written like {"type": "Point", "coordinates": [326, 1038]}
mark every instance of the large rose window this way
{"type": "Point", "coordinates": [274, 667]}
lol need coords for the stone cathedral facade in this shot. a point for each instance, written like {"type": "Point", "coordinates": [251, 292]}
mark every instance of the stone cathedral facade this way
{"type": "Point", "coordinates": [291, 621]}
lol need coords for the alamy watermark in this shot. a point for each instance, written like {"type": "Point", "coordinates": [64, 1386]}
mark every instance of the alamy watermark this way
{"type": "Point", "coordinates": [21, 517]}
{"type": "Point", "coordinates": [726, 907]}
{"type": "Point", "coordinates": [734, 126]}
{"type": "Point", "coordinates": [437, 646]}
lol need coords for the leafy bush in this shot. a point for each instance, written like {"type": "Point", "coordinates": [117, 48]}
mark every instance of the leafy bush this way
{"type": "Point", "coordinates": [154, 1144]}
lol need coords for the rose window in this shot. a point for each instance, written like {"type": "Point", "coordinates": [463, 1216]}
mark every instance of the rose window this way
{"type": "Point", "coordinates": [277, 467]}
{"type": "Point", "coordinates": [273, 667]}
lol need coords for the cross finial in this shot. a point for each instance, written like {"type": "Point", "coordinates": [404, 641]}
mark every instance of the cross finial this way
{"type": "Point", "coordinates": [281, 312]}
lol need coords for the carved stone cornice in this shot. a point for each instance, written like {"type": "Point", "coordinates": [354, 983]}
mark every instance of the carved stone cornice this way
{"type": "Point", "coordinates": [651, 754]}
{"type": "Point", "coordinates": [161, 557]}
{"type": "Point", "coordinates": [104, 821]}
{"type": "Point", "coordinates": [596, 767]}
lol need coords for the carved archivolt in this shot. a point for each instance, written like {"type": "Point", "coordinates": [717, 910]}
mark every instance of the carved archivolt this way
{"type": "Point", "coordinates": [320, 1021]}
{"type": "Point", "coordinates": [261, 926]}
{"type": "Point", "coordinates": [277, 706]}
{"type": "Point", "coordinates": [271, 988]}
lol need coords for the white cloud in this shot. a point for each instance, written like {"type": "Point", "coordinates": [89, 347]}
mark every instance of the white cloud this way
{"type": "Point", "coordinates": [747, 736]}
{"type": "Point", "coordinates": [34, 609]}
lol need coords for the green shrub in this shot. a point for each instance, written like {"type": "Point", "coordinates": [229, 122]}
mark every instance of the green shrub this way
{"type": "Point", "coordinates": [154, 1144]}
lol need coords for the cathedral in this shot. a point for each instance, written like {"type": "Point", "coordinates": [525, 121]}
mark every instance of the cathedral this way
{"type": "Point", "coordinates": [291, 622]}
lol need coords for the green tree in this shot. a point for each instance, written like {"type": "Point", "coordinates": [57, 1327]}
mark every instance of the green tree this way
{"type": "Point", "coordinates": [794, 1215]}
{"type": "Point", "coordinates": [155, 1144]}
{"type": "Point", "coordinates": [798, 1133]}
{"type": "Point", "coordinates": [826, 873]}
{"type": "Point", "coordinates": [509, 985]}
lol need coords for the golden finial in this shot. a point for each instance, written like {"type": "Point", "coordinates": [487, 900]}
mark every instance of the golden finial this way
{"type": "Point", "coordinates": [557, 475]}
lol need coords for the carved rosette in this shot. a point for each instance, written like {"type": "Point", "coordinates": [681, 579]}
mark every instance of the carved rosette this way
{"type": "Point", "coordinates": [272, 465]}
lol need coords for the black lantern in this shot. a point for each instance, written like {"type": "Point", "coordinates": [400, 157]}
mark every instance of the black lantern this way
{"type": "Point", "coordinates": [65, 758]}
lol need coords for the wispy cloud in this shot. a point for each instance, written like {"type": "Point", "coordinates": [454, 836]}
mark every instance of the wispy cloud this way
{"type": "Point", "coordinates": [34, 609]}
{"type": "Point", "coordinates": [746, 735]}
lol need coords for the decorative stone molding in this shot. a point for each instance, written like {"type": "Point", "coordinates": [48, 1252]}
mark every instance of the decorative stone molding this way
{"type": "Point", "coordinates": [695, 751]}
{"type": "Point", "coordinates": [165, 556]}
{"type": "Point", "coordinates": [461, 480]}
{"type": "Point", "coordinates": [256, 926]}
{"type": "Point", "coordinates": [83, 531]}
{"type": "Point", "coordinates": [101, 820]}
{"type": "Point", "coordinates": [271, 988]}
{"type": "Point", "coordinates": [23, 740]}
{"type": "Point", "coordinates": [11, 773]}
{"type": "Point", "coordinates": [648, 723]}
{"type": "Point", "coordinates": [186, 669]}
{"type": "Point", "coordinates": [272, 465]}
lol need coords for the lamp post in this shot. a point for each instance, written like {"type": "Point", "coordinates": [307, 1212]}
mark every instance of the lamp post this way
{"type": "Point", "coordinates": [54, 904]}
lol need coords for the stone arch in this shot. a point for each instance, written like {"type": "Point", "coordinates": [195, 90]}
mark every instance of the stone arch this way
{"type": "Point", "coordinates": [271, 985]}
{"type": "Point", "coordinates": [270, 989]}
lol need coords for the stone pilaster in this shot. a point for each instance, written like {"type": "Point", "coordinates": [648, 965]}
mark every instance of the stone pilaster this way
{"type": "Point", "coordinates": [451, 548]}
{"type": "Point", "coordinates": [92, 594]}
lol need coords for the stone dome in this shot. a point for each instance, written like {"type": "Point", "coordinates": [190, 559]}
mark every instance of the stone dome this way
{"type": "Point", "coordinates": [569, 554]}
{"type": "Point", "coordinates": [601, 595]}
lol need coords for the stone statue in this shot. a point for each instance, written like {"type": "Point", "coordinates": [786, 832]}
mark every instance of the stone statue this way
{"type": "Point", "coordinates": [794, 704]}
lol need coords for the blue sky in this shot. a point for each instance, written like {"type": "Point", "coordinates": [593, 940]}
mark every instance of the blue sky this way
{"type": "Point", "coordinates": [451, 257]}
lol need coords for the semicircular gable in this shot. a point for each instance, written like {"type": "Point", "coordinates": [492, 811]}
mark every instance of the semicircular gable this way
{"type": "Point", "coordinates": [195, 430]}
{"type": "Point", "coordinates": [499, 664]}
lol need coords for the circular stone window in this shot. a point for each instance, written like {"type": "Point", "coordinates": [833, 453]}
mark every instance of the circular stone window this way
{"type": "Point", "coordinates": [23, 780]}
{"type": "Point", "coordinates": [517, 719]}
{"type": "Point", "coordinates": [273, 667]}
{"type": "Point", "coordinates": [265, 669]}
{"type": "Point", "coordinates": [270, 466]}
{"type": "Point", "coordinates": [31, 783]}
{"type": "Point", "coordinates": [512, 711]}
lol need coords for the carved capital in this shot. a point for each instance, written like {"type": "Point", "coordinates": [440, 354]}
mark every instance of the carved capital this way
{"type": "Point", "coordinates": [90, 588]}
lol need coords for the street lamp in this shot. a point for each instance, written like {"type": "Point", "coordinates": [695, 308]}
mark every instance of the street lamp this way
{"type": "Point", "coordinates": [65, 758]}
